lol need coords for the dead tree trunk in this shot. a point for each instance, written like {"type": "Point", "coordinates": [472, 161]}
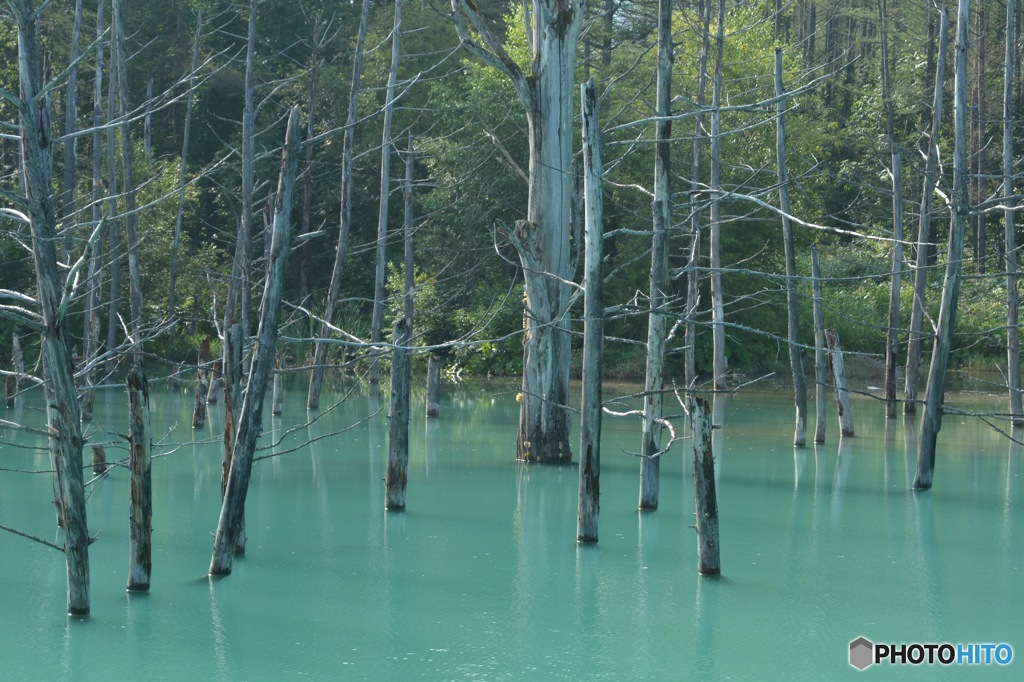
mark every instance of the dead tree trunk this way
{"type": "Point", "coordinates": [398, 419]}
{"type": "Point", "coordinates": [183, 171]}
{"type": "Point", "coordinates": [693, 264]}
{"type": "Point", "coordinates": [62, 414]}
{"type": "Point", "coordinates": [141, 512]}
{"type": "Point", "coordinates": [277, 405]}
{"type": "Point", "coordinates": [705, 497]}
{"type": "Point", "coordinates": [792, 296]}
{"type": "Point", "coordinates": [835, 356]}
{"type": "Point", "coordinates": [114, 245]}
{"type": "Point", "coordinates": [924, 228]}
{"type": "Point", "coordinates": [316, 377]}
{"type": "Point", "coordinates": [433, 385]}
{"type": "Point", "coordinates": [892, 346]}
{"type": "Point", "coordinates": [589, 506]}
{"type": "Point", "coordinates": [1009, 219]}
{"type": "Point", "coordinates": [202, 371]}
{"type": "Point", "coordinates": [717, 309]}
{"type": "Point", "coordinates": [250, 422]}
{"type": "Point", "coordinates": [67, 203]}
{"type": "Point", "coordinates": [931, 421]}
{"type": "Point", "coordinates": [661, 208]}
{"type": "Point", "coordinates": [385, 190]}
{"type": "Point", "coordinates": [820, 353]}
{"type": "Point", "coordinates": [307, 179]}
{"type": "Point", "coordinates": [544, 241]}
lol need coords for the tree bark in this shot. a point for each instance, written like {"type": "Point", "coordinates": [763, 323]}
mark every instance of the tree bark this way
{"type": "Point", "coordinates": [1013, 383]}
{"type": "Point", "coordinates": [661, 208]}
{"type": "Point", "coordinates": [62, 413]}
{"type": "Point", "coordinates": [398, 419]}
{"type": "Point", "coordinates": [925, 227]}
{"type": "Point", "coordinates": [931, 421]}
{"type": "Point", "coordinates": [250, 422]}
{"type": "Point", "coordinates": [705, 496]}
{"type": "Point", "coordinates": [380, 274]}
{"type": "Point", "coordinates": [277, 405]}
{"type": "Point", "coordinates": [543, 239]}
{"type": "Point", "coordinates": [589, 506]}
{"type": "Point", "coordinates": [433, 385]}
{"type": "Point", "coordinates": [67, 204]}
{"type": "Point", "coordinates": [792, 295]}
{"type": "Point", "coordinates": [717, 309]}
{"type": "Point", "coordinates": [835, 352]}
{"type": "Point", "coordinates": [114, 245]}
{"type": "Point", "coordinates": [316, 377]}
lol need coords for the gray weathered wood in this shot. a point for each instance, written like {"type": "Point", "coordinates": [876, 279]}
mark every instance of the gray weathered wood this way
{"type": "Point", "coordinates": [821, 379]}
{"type": "Point", "coordinates": [316, 376]}
{"type": "Point", "coordinates": [202, 372]}
{"type": "Point", "coordinates": [835, 356]}
{"type": "Point", "coordinates": [434, 385]}
{"type": "Point", "coordinates": [398, 417]}
{"type": "Point", "coordinates": [792, 295]}
{"type": "Point", "coordinates": [589, 506]}
{"type": "Point", "coordinates": [931, 420]}
{"type": "Point", "coordinates": [277, 404]}
{"type": "Point", "coordinates": [658, 281]}
{"type": "Point", "coordinates": [62, 411]}
{"type": "Point", "coordinates": [715, 227]}
{"type": "Point", "coordinates": [380, 274]}
{"type": "Point", "coordinates": [140, 515]}
{"type": "Point", "coordinates": [916, 336]}
{"type": "Point", "coordinates": [67, 203]}
{"type": "Point", "coordinates": [250, 421]}
{"type": "Point", "coordinates": [705, 496]}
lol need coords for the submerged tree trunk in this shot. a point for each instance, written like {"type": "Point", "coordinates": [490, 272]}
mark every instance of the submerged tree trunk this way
{"type": "Point", "coordinates": [380, 275]}
{"type": "Point", "coordinates": [820, 353]}
{"type": "Point", "coordinates": [931, 421]}
{"type": "Point", "coordinates": [661, 208]}
{"type": "Point", "coordinates": [925, 227]}
{"type": "Point", "coordinates": [705, 496]}
{"type": "Point", "coordinates": [316, 377]}
{"type": "Point", "coordinates": [1009, 219]}
{"type": "Point", "coordinates": [543, 239]}
{"type": "Point", "coordinates": [589, 506]}
{"type": "Point", "coordinates": [398, 418]}
{"type": "Point", "coordinates": [62, 413]}
{"type": "Point", "coordinates": [250, 422]}
{"type": "Point", "coordinates": [792, 296]}
{"type": "Point", "coordinates": [835, 352]}
{"type": "Point", "coordinates": [277, 404]}
{"type": "Point", "coordinates": [717, 309]}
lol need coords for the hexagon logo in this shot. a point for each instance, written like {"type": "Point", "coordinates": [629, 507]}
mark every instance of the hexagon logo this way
{"type": "Point", "coordinates": [862, 653]}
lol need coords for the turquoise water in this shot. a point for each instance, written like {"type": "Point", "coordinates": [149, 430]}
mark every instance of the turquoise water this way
{"type": "Point", "coordinates": [481, 577]}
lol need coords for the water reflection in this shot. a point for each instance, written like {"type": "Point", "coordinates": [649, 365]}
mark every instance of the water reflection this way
{"type": "Point", "coordinates": [839, 479]}
{"type": "Point", "coordinates": [705, 623]}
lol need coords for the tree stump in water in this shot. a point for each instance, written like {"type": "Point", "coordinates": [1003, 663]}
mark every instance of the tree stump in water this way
{"type": "Point", "coordinates": [708, 556]}
{"type": "Point", "coordinates": [433, 386]}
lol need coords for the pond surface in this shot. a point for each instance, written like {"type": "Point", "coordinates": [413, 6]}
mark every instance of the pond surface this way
{"type": "Point", "coordinates": [481, 577]}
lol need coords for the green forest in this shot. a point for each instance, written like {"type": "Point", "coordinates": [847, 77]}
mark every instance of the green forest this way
{"type": "Point", "coordinates": [323, 185]}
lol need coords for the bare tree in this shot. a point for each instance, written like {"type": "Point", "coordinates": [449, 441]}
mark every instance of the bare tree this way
{"type": "Point", "coordinates": [1009, 220]}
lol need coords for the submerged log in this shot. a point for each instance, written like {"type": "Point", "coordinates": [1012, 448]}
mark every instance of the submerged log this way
{"type": "Point", "coordinates": [835, 352]}
{"type": "Point", "coordinates": [706, 498]}
{"type": "Point", "coordinates": [398, 429]}
{"type": "Point", "coordinates": [434, 385]}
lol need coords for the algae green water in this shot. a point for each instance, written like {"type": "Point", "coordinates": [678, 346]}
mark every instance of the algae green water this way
{"type": "Point", "coordinates": [481, 577]}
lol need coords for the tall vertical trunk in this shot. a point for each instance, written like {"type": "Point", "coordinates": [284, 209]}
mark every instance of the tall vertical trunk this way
{"type": "Point", "coordinates": [892, 332]}
{"type": "Point", "coordinates": [792, 296]}
{"type": "Point", "coordinates": [92, 286]}
{"type": "Point", "coordinates": [409, 224]}
{"type": "Point", "coordinates": [114, 238]}
{"type": "Point", "coordinates": [316, 377]}
{"type": "Point", "coordinates": [835, 353]}
{"type": "Point", "coordinates": [693, 262]}
{"type": "Point", "coordinates": [820, 353]}
{"type": "Point", "coordinates": [141, 510]}
{"type": "Point", "coordinates": [705, 496]}
{"type": "Point", "coordinates": [385, 190]}
{"type": "Point", "coordinates": [183, 171]}
{"type": "Point", "coordinates": [67, 203]}
{"type": "Point", "coordinates": [62, 413]}
{"type": "Point", "coordinates": [250, 422]}
{"type": "Point", "coordinates": [924, 228]}
{"type": "Point", "coordinates": [307, 185]}
{"type": "Point", "coordinates": [931, 421]}
{"type": "Point", "coordinates": [977, 124]}
{"type": "Point", "coordinates": [398, 417]}
{"type": "Point", "coordinates": [661, 208]}
{"type": "Point", "coordinates": [717, 309]}
{"type": "Point", "coordinates": [589, 505]}
{"type": "Point", "coordinates": [1009, 220]}
{"type": "Point", "coordinates": [147, 132]}
{"type": "Point", "coordinates": [543, 239]}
